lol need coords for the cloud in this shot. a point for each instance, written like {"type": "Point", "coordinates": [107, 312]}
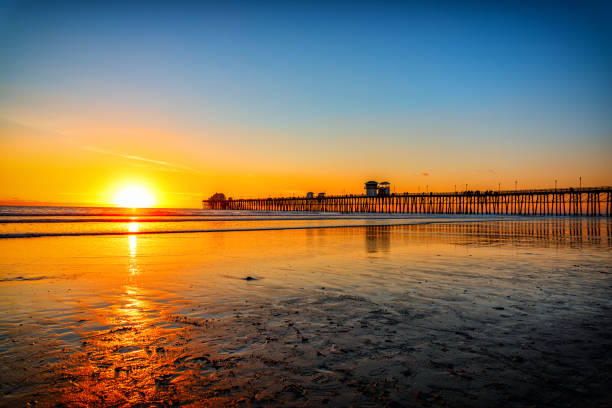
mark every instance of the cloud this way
{"type": "Point", "coordinates": [157, 167]}
{"type": "Point", "coordinates": [167, 165]}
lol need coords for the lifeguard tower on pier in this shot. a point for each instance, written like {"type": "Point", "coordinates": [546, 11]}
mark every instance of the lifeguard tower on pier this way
{"type": "Point", "coordinates": [374, 189]}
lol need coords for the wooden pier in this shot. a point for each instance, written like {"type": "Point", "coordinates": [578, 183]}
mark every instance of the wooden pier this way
{"type": "Point", "coordinates": [586, 201]}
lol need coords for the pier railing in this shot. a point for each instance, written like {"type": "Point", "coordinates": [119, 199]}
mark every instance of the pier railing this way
{"type": "Point", "coordinates": [587, 201]}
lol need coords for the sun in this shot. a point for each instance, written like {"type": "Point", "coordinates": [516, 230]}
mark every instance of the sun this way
{"type": "Point", "coordinates": [134, 196]}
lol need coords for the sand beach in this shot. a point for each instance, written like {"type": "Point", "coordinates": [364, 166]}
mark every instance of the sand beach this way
{"type": "Point", "coordinates": [510, 313]}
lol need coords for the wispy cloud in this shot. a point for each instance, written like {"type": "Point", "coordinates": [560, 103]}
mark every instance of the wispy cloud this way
{"type": "Point", "coordinates": [156, 167]}
{"type": "Point", "coordinates": [167, 165]}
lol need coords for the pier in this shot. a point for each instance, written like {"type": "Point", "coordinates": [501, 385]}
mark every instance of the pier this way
{"type": "Point", "coordinates": [585, 201]}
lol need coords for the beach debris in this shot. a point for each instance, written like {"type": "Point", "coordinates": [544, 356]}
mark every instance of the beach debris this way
{"type": "Point", "coordinates": [189, 320]}
{"type": "Point", "coordinates": [297, 390]}
{"type": "Point", "coordinates": [250, 278]}
{"type": "Point", "coordinates": [204, 359]}
{"type": "Point", "coordinates": [460, 373]}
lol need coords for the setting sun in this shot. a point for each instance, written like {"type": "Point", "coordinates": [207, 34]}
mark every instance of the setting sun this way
{"type": "Point", "coordinates": [134, 197]}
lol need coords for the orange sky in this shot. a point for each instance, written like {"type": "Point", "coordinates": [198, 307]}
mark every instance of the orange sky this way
{"type": "Point", "coordinates": [63, 166]}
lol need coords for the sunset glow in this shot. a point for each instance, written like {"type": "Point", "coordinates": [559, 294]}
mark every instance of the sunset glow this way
{"type": "Point", "coordinates": [134, 196]}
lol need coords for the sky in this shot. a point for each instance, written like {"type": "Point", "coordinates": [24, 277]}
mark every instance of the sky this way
{"type": "Point", "coordinates": [258, 99]}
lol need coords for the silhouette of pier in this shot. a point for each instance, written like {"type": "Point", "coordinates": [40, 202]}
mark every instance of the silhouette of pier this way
{"type": "Point", "coordinates": [585, 201]}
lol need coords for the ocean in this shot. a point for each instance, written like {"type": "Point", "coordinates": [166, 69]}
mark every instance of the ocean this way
{"type": "Point", "coordinates": [160, 307]}
{"type": "Point", "coordinates": [31, 222]}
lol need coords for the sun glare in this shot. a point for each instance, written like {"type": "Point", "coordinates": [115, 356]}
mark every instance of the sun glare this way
{"type": "Point", "coordinates": [134, 197]}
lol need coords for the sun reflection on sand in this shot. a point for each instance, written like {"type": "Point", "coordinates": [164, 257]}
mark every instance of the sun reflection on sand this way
{"type": "Point", "coordinates": [133, 244]}
{"type": "Point", "coordinates": [132, 305]}
{"type": "Point", "coordinates": [122, 364]}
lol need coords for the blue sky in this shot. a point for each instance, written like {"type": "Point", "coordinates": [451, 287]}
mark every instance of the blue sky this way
{"type": "Point", "coordinates": [318, 60]}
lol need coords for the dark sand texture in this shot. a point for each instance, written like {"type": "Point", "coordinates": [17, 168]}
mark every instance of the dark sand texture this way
{"type": "Point", "coordinates": [498, 314]}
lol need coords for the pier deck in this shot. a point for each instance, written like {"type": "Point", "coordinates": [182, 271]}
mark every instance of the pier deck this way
{"type": "Point", "coordinates": [586, 201]}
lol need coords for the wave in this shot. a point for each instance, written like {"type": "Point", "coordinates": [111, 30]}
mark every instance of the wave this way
{"type": "Point", "coordinates": [21, 278]}
{"type": "Point", "coordinates": [192, 231]}
{"type": "Point", "coordinates": [181, 213]}
{"type": "Point", "coordinates": [317, 217]}
{"type": "Point", "coordinates": [44, 211]}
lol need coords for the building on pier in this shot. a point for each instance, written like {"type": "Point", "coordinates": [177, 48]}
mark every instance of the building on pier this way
{"type": "Point", "coordinates": [217, 197]}
{"type": "Point", "coordinates": [371, 188]}
{"type": "Point", "coordinates": [384, 189]}
{"type": "Point", "coordinates": [310, 194]}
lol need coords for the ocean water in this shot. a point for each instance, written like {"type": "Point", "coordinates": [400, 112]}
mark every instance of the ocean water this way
{"type": "Point", "coordinates": [115, 307]}
{"type": "Point", "coordinates": [30, 222]}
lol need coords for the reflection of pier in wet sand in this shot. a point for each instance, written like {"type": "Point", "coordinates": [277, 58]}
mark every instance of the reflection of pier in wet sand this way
{"type": "Point", "coordinates": [546, 233]}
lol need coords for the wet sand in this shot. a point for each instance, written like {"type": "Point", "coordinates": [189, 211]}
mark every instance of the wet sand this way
{"type": "Point", "coordinates": [512, 313]}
